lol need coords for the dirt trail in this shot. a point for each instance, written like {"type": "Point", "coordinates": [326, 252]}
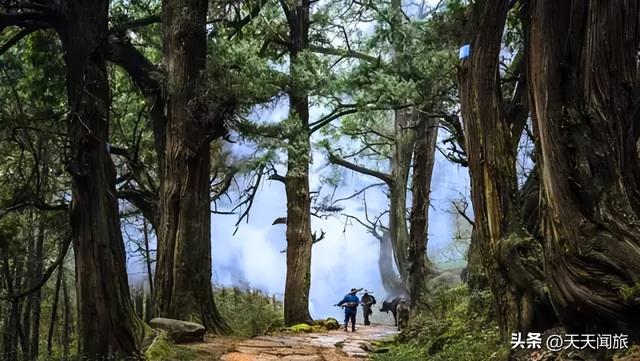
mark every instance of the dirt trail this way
{"type": "Point", "coordinates": [326, 346]}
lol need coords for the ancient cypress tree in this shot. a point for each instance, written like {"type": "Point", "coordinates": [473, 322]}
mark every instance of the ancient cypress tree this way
{"type": "Point", "coordinates": [512, 259]}
{"type": "Point", "coordinates": [107, 325]}
{"type": "Point", "coordinates": [424, 149]}
{"type": "Point", "coordinates": [299, 238]}
{"type": "Point", "coordinates": [584, 86]}
{"type": "Point", "coordinates": [106, 322]}
{"type": "Point", "coordinates": [183, 274]}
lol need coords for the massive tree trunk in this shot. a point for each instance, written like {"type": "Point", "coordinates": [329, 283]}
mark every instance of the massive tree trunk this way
{"type": "Point", "coordinates": [183, 274]}
{"type": "Point", "coordinates": [584, 86]}
{"type": "Point", "coordinates": [299, 238]}
{"type": "Point", "coordinates": [400, 165]}
{"type": "Point", "coordinates": [510, 256]}
{"type": "Point", "coordinates": [107, 325]}
{"type": "Point", "coordinates": [420, 266]}
{"type": "Point", "coordinates": [404, 137]}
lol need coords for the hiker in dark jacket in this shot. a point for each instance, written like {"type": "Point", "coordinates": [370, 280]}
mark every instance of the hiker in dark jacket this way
{"type": "Point", "coordinates": [350, 303]}
{"type": "Point", "coordinates": [367, 302]}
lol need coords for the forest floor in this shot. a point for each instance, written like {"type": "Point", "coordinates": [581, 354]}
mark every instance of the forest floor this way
{"type": "Point", "coordinates": [325, 346]}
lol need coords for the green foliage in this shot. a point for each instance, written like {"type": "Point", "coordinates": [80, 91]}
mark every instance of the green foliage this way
{"type": "Point", "coordinates": [630, 293]}
{"type": "Point", "coordinates": [457, 327]}
{"type": "Point", "coordinates": [301, 327]}
{"type": "Point", "coordinates": [408, 63]}
{"type": "Point", "coordinates": [250, 312]}
{"type": "Point", "coordinates": [162, 349]}
{"type": "Point", "coordinates": [240, 72]}
{"type": "Point", "coordinates": [148, 39]}
{"type": "Point", "coordinates": [316, 326]}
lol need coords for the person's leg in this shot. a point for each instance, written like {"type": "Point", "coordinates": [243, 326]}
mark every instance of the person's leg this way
{"type": "Point", "coordinates": [346, 320]}
{"type": "Point", "coordinates": [353, 322]}
{"type": "Point", "coordinates": [365, 311]}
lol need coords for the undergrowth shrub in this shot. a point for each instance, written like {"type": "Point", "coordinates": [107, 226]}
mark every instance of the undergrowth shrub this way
{"type": "Point", "coordinates": [249, 312]}
{"type": "Point", "coordinates": [456, 324]}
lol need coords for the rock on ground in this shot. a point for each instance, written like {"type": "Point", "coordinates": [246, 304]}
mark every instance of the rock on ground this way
{"type": "Point", "coordinates": [179, 331]}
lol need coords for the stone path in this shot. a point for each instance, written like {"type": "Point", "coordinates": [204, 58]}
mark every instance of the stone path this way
{"type": "Point", "coordinates": [326, 346]}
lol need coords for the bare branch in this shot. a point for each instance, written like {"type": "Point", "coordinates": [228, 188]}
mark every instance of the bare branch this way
{"type": "Point", "coordinates": [27, 19]}
{"type": "Point", "coordinates": [461, 207]}
{"type": "Point", "coordinates": [279, 220]}
{"type": "Point", "coordinates": [358, 192]}
{"type": "Point", "coordinates": [360, 169]}
{"type": "Point", "coordinates": [317, 239]}
{"type": "Point", "coordinates": [248, 201]}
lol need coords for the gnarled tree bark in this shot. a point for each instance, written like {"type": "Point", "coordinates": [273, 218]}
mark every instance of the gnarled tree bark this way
{"type": "Point", "coordinates": [584, 86]}
{"type": "Point", "coordinates": [420, 267]}
{"type": "Point", "coordinates": [510, 256]}
{"type": "Point", "coordinates": [107, 326]}
{"type": "Point", "coordinates": [183, 273]}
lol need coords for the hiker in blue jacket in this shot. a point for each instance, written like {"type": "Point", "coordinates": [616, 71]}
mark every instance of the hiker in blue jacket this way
{"type": "Point", "coordinates": [350, 303]}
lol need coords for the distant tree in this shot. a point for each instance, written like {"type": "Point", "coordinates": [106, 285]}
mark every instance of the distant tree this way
{"type": "Point", "coordinates": [417, 91]}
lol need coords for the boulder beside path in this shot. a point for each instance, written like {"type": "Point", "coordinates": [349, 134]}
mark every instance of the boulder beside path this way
{"type": "Point", "coordinates": [179, 331]}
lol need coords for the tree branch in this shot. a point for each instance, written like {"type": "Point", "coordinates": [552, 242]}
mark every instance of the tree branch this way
{"type": "Point", "coordinates": [148, 78]}
{"type": "Point", "coordinates": [37, 204]}
{"type": "Point", "coordinates": [238, 25]}
{"type": "Point", "coordinates": [136, 23]}
{"type": "Point", "coordinates": [17, 37]}
{"type": "Point", "coordinates": [335, 114]}
{"type": "Point", "coordinates": [462, 211]}
{"type": "Point", "coordinates": [345, 53]}
{"type": "Point", "coordinates": [223, 186]}
{"type": "Point", "coordinates": [46, 275]}
{"type": "Point", "coordinates": [358, 192]}
{"type": "Point", "coordinates": [26, 19]}
{"type": "Point", "coordinates": [360, 169]}
{"type": "Point", "coordinates": [145, 201]}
